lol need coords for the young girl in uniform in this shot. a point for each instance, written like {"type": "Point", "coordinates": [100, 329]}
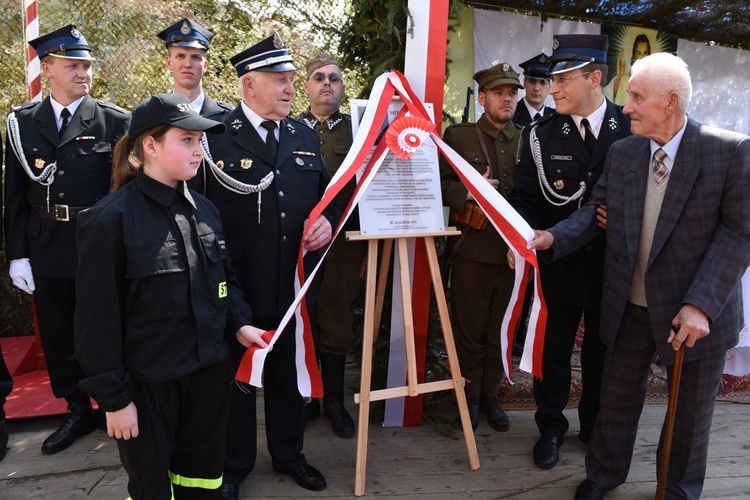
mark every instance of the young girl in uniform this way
{"type": "Point", "coordinates": [158, 306]}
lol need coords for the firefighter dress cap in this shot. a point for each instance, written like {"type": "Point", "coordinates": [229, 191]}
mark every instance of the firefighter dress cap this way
{"type": "Point", "coordinates": [65, 42]}
{"type": "Point", "coordinates": [186, 33]}
{"type": "Point", "coordinates": [170, 109]}
{"type": "Point", "coordinates": [318, 61]}
{"type": "Point", "coordinates": [267, 55]}
{"type": "Point", "coordinates": [536, 67]}
{"type": "Point", "coordinates": [571, 52]}
{"type": "Point", "coordinates": [500, 74]}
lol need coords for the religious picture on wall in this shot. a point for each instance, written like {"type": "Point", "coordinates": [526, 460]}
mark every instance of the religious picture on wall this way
{"type": "Point", "coordinates": [627, 44]}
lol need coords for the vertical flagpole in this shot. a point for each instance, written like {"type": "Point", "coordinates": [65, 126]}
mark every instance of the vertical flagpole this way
{"type": "Point", "coordinates": [30, 32]}
{"type": "Point", "coordinates": [426, 50]}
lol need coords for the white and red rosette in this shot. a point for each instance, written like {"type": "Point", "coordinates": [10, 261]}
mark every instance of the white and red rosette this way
{"type": "Point", "coordinates": [407, 134]}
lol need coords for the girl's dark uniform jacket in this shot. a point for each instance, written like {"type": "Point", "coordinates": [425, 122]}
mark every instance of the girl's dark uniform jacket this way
{"type": "Point", "coordinates": [576, 279]}
{"type": "Point", "coordinates": [84, 165]}
{"type": "Point", "coordinates": [139, 289]}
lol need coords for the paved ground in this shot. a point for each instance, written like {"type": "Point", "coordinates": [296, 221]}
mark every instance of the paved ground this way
{"type": "Point", "coordinates": [418, 462]}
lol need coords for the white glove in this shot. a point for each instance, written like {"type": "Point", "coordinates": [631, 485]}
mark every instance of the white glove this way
{"type": "Point", "coordinates": [20, 273]}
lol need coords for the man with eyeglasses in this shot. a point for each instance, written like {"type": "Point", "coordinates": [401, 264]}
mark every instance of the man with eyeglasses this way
{"type": "Point", "coordinates": [341, 272]}
{"type": "Point", "coordinates": [561, 158]}
{"type": "Point", "coordinates": [536, 83]}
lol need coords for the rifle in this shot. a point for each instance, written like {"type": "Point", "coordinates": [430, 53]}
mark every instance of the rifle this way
{"type": "Point", "coordinates": [469, 93]}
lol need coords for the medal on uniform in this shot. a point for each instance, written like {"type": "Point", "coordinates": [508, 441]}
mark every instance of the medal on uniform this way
{"type": "Point", "coordinates": [246, 163]}
{"type": "Point", "coordinates": [220, 164]}
{"type": "Point", "coordinates": [39, 163]}
{"type": "Point", "coordinates": [559, 184]}
{"type": "Point", "coordinates": [299, 161]}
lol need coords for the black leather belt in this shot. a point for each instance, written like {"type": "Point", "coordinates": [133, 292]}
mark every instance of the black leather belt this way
{"type": "Point", "coordinates": [61, 213]}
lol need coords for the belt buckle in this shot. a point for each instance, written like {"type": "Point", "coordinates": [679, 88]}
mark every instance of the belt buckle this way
{"type": "Point", "coordinates": [62, 209]}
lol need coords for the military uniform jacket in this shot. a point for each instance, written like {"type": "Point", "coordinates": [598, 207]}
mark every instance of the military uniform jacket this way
{"type": "Point", "coordinates": [577, 278]}
{"type": "Point", "coordinates": [335, 133]}
{"type": "Point", "coordinates": [264, 254]}
{"type": "Point", "coordinates": [502, 145]}
{"type": "Point", "coordinates": [522, 116]}
{"type": "Point", "coordinates": [84, 164]}
{"type": "Point", "coordinates": [215, 110]}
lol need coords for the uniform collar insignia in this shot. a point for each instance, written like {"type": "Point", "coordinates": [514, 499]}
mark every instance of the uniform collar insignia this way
{"type": "Point", "coordinates": [290, 128]}
{"type": "Point", "coordinates": [613, 125]}
{"type": "Point", "coordinates": [566, 128]}
{"type": "Point", "coordinates": [236, 124]}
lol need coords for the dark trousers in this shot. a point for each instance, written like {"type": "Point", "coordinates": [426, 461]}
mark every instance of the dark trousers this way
{"type": "Point", "coordinates": [55, 300]}
{"type": "Point", "coordinates": [283, 411]}
{"type": "Point", "coordinates": [479, 296]}
{"type": "Point", "coordinates": [552, 393]}
{"type": "Point", "coordinates": [338, 289]}
{"type": "Point", "coordinates": [6, 385]}
{"type": "Point", "coordinates": [623, 395]}
{"type": "Point", "coordinates": [182, 430]}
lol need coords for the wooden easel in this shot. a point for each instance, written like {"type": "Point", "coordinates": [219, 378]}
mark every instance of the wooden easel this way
{"type": "Point", "coordinates": [373, 307]}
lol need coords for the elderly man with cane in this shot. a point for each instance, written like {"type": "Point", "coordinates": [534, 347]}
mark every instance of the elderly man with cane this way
{"type": "Point", "coordinates": [678, 243]}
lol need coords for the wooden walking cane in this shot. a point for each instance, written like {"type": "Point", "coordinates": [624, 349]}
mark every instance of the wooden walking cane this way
{"type": "Point", "coordinates": [674, 389]}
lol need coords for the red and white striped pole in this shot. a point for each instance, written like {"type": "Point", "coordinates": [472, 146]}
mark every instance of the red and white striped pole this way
{"type": "Point", "coordinates": [30, 32]}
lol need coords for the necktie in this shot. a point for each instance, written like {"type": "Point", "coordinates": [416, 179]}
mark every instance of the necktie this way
{"type": "Point", "coordinates": [537, 116]}
{"type": "Point", "coordinates": [64, 115]}
{"type": "Point", "coordinates": [588, 138]}
{"type": "Point", "coordinates": [660, 170]}
{"type": "Point", "coordinates": [271, 142]}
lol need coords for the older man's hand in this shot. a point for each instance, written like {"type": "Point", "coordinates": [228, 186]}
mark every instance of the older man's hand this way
{"type": "Point", "coordinates": [320, 234]}
{"type": "Point", "coordinates": [543, 240]}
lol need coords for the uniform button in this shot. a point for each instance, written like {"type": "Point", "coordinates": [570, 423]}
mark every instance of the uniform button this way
{"type": "Point", "coordinates": [93, 148]}
{"type": "Point", "coordinates": [505, 174]}
{"type": "Point", "coordinates": [61, 195]}
{"type": "Point", "coordinates": [283, 215]}
{"type": "Point", "coordinates": [590, 174]}
{"type": "Point", "coordinates": [281, 194]}
{"type": "Point", "coordinates": [558, 170]}
{"type": "Point", "coordinates": [35, 149]}
{"type": "Point", "coordinates": [505, 188]}
{"type": "Point", "coordinates": [61, 172]}
{"type": "Point", "coordinates": [283, 238]}
{"type": "Point", "coordinates": [231, 165]}
{"type": "Point", "coordinates": [502, 151]}
{"type": "Point", "coordinates": [278, 172]}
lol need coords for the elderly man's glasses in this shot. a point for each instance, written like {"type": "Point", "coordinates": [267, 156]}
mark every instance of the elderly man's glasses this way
{"type": "Point", "coordinates": [562, 81]}
{"type": "Point", "coordinates": [320, 77]}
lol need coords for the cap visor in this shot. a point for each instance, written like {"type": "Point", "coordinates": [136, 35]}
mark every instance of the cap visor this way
{"type": "Point", "coordinates": [277, 68]}
{"type": "Point", "coordinates": [564, 66]}
{"type": "Point", "coordinates": [73, 54]}
{"type": "Point", "coordinates": [198, 123]}
{"type": "Point", "coordinates": [188, 43]}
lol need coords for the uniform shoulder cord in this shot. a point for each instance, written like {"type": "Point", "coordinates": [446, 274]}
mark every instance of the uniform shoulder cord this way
{"type": "Point", "coordinates": [47, 176]}
{"type": "Point", "coordinates": [536, 152]}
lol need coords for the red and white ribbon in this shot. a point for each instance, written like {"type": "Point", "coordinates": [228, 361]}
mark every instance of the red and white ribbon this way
{"type": "Point", "coordinates": [31, 31]}
{"type": "Point", "coordinates": [514, 230]}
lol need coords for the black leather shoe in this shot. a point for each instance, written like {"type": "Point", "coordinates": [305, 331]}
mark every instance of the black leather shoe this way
{"type": "Point", "coordinates": [74, 426]}
{"type": "Point", "coordinates": [473, 403]}
{"type": "Point", "coordinates": [3, 439]}
{"type": "Point", "coordinates": [584, 435]}
{"type": "Point", "coordinates": [547, 451]}
{"type": "Point", "coordinates": [229, 491]}
{"type": "Point", "coordinates": [589, 490]}
{"type": "Point", "coordinates": [306, 476]}
{"type": "Point", "coordinates": [311, 410]}
{"type": "Point", "coordinates": [341, 422]}
{"type": "Point", "coordinates": [496, 417]}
